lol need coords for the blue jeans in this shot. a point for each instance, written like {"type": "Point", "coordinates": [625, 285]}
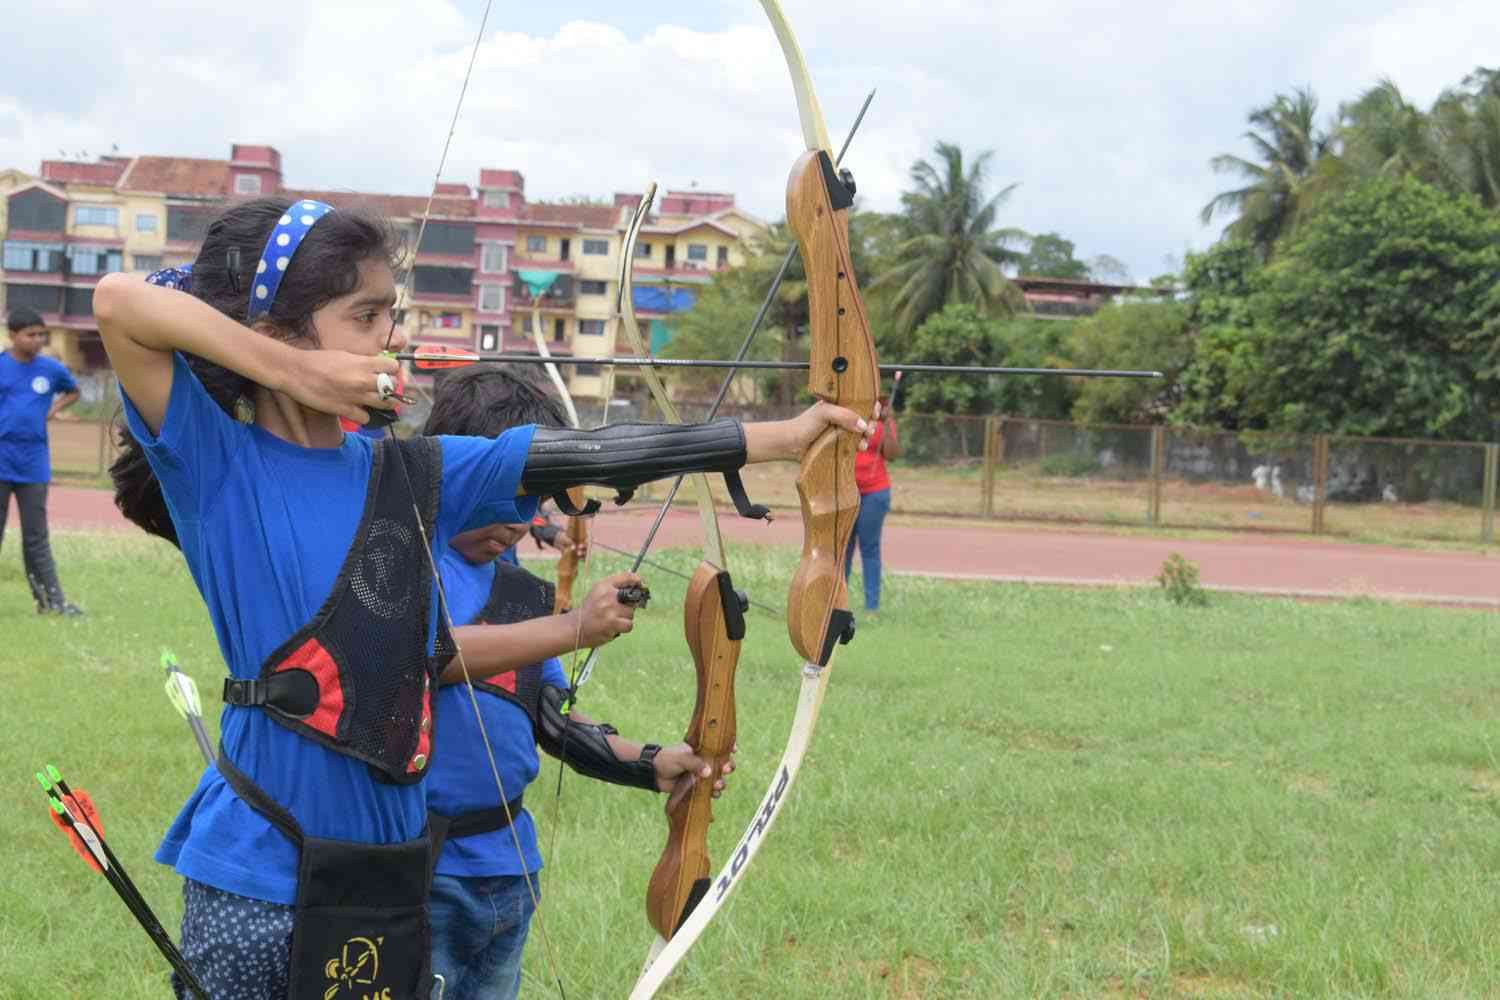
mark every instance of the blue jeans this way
{"type": "Point", "coordinates": [873, 507]}
{"type": "Point", "coordinates": [479, 930]}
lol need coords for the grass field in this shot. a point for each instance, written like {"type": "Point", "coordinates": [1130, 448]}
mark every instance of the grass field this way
{"type": "Point", "coordinates": [1013, 792]}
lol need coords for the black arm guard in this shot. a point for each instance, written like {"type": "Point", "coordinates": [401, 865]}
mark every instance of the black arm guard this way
{"type": "Point", "coordinates": [584, 748]}
{"type": "Point", "coordinates": [623, 456]}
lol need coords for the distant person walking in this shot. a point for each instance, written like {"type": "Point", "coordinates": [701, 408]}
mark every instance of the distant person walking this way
{"type": "Point", "coordinates": [33, 389]}
{"type": "Point", "coordinates": [874, 482]}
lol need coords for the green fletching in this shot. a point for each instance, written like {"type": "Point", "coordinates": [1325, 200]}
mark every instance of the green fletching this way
{"type": "Point", "coordinates": [53, 773]}
{"type": "Point", "coordinates": [41, 779]}
{"type": "Point", "coordinates": [168, 659]}
{"type": "Point", "coordinates": [57, 806]}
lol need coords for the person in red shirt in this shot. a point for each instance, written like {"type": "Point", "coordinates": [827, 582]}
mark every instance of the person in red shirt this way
{"type": "Point", "coordinates": [874, 482]}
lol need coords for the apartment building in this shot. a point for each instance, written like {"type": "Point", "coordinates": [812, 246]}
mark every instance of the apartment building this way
{"type": "Point", "coordinates": [491, 267]}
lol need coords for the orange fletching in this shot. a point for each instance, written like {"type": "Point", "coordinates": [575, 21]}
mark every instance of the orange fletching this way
{"type": "Point", "coordinates": [431, 357]}
{"type": "Point", "coordinates": [83, 807]}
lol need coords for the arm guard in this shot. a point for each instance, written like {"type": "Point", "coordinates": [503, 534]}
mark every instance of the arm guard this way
{"type": "Point", "coordinates": [585, 748]}
{"type": "Point", "coordinates": [623, 456]}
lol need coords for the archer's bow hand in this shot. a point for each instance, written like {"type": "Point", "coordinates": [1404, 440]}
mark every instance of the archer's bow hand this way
{"type": "Point", "coordinates": [786, 440]}
{"type": "Point", "coordinates": [602, 615]}
{"type": "Point", "coordinates": [678, 760]}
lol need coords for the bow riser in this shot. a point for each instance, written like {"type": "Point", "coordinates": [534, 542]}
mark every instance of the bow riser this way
{"type": "Point", "coordinates": [577, 532]}
{"type": "Point", "coordinates": [681, 877]}
{"type": "Point", "coordinates": [843, 370]}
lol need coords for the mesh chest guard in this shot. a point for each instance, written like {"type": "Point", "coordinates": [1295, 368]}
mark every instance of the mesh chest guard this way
{"type": "Point", "coordinates": [516, 596]}
{"type": "Point", "coordinates": [357, 677]}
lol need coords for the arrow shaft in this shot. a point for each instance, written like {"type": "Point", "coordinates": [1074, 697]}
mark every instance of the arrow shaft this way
{"type": "Point", "coordinates": [616, 361]}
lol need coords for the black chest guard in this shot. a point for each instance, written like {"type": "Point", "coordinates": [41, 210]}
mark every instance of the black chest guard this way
{"type": "Point", "coordinates": [516, 596]}
{"type": "Point", "coordinates": [357, 677]}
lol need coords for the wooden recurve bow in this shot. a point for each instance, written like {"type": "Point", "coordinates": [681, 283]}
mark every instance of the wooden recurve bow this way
{"type": "Point", "coordinates": [844, 370]}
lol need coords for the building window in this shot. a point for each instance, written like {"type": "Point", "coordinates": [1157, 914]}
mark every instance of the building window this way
{"type": "Point", "coordinates": [96, 215]}
{"type": "Point", "coordinates": [146, 223]}
{"type": "Point", "coordinates": [587, 287]}
{"type": "Point", "coordinates": [23, 256]}
{"type": "Point", "coordinates": [449, 321]}
{"type": "Point", "coordinates": [596, 248]}
{"type": "Point", "coordinates": [586, 371]}
{"type": "Point", "coordinates": [38, 211]}
{"type": "Point", "coordinates": [431, 280]}
{"type": "Point", "coordinates": [492, 298]}
{"type": "Point", "coordinates": [453, 239]}
{"type": "Point", "coordinates": [697, 251]}
{"type": "Point", "coordinates": [591, 328]}
{"type": "Point", "coordinates": [78, 302]}
{"type": "Point", "coordinates": [188, 223]}
{"type": "Point", "coordinates": [247, 184]}
{"type": "Point", "coordinates": [536, 244]}
{"type": "Point", "coordinates": [526, 325]}
{"type": "Point", "coordinates": [42, 298]}
{"type": "Point", "coordinates": [723, 258]}
{"type": "Point", "coordinates": [492, 258]}
{"type": "Point", "coordinates": [146, 261]}
{"type": "Point", "coordinates": [643, 250]}
{"type": "Point", "coordinates": [497, 199]}
{"type": "Point", "coordinates": [489, 337]}
{"type": "Point", "coordinates": [93, 260]}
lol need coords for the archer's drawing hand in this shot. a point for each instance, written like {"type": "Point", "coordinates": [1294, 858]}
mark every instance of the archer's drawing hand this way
{"type": "Point", "coordinates": [672, 762]}
{"type": "Point", "coordinates": [786, 440]}
{"type": "Point", "coordinates": [602, 615]}
{"type": "Point", "coordinates": [340, 383]}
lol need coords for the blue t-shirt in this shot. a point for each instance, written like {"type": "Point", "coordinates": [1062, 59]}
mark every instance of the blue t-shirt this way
{"type": "Point", "coordinates": [26, 393]}
{"type": "Point", "coordinates": [460, 780]}
{"type": "Point", "coordinates": [265, 526]}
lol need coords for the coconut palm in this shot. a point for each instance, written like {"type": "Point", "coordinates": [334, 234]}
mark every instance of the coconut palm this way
{"type": "Point", "coordinates": [950, 249]}
{"type": "Point", "coordinates": [1294, 155]}
{"type": "Point", "coordinates": [1467, 120]}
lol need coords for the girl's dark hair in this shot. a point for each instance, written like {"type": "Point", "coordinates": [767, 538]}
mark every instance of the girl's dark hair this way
{"type": "Point", "coordinates": [325, 267]}
{"type": "Point", "coordinates": [488, 400]}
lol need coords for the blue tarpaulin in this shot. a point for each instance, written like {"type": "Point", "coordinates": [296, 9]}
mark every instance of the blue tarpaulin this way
{"type": "Point", "coordinates": [663, 299]}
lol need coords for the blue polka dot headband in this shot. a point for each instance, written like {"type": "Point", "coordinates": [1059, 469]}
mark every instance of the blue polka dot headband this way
{"type": "Point", "coordinates": [290, 230]}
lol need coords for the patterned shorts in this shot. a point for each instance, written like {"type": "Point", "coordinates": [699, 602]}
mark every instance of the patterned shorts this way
{"type": "Point", "coordinates": [239, 947]}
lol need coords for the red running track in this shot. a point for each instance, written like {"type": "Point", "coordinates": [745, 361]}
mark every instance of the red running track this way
{"type": "Point", "coordinates": [973, 550]}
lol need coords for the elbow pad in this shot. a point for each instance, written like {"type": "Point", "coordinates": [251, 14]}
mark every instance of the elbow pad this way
{"type": "Point", "coordinates": [585, 748]}
{"type": "Point", "coordinates": [624, 456]}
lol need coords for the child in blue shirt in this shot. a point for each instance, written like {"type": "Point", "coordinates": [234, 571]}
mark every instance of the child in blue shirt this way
{"type": "Point", "coordinates": [33, 389]}
{"type": "Point", "coordinates": [306, 546]}
{"type": "Point", "coordinates": [485, 889]}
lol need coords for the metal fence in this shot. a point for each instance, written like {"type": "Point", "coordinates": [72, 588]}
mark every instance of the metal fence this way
{"type": "Point", "coordinates": [1011, 468]}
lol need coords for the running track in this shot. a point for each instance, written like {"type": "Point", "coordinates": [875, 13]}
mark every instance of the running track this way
{"type": "Point", "coordinates": [979, 551]}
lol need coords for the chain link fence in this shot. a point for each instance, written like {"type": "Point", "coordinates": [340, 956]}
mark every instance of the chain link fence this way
{"type": "Point", "coordinates": [1010, 468]}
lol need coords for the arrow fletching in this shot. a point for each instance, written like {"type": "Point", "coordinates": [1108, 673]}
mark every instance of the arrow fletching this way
{"type": "Point", "coordinates": [435, 357]}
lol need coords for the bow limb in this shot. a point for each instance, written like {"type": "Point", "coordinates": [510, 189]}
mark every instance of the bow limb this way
{"type": "Point", "coordinates": [714, 624]}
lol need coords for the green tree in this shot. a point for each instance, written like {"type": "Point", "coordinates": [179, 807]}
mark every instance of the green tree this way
{"type": "Point", "coordinates": [1279, 189]}
{"type": "Point", "coordinates": [951, 250]}
{"type": "Point", "coordinates": [1382, 318]}
{"type": "Point", "coordinates": [1051, 256]}
{"type": "Point", "coordinates": [962, 335]}
{"type": "Point", "coordinates": [1146, 335]}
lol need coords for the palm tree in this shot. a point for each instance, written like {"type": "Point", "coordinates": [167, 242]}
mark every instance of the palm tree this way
{"type": "Point", "coordinates": [1467, 121]}
{"type": "Point", "coordinates": [1386, 135]}
{"type": "Point", "coordinates": [1294, 156]}
{"type": "Point", "coordinates": [951, 250]}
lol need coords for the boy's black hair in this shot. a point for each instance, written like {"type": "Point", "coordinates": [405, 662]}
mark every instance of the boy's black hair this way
{"type": "Point", "coordinates": [21, 317]}
{"type": "Point", "coordinates": [325, 267]}
{"type": "Point", "coordinates": [488, 400]}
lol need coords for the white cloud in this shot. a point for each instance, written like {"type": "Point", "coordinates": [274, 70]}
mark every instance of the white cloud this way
{"type": "Point", "coordinates": [1107, 114]}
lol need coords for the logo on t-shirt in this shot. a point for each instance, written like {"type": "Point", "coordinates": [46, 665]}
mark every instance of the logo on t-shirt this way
{"type": "Point", "coordinates": [40, 385]}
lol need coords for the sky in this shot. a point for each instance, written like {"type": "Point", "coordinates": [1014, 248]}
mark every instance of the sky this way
{"type": "Point", "coordinates": [1104, 114]}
